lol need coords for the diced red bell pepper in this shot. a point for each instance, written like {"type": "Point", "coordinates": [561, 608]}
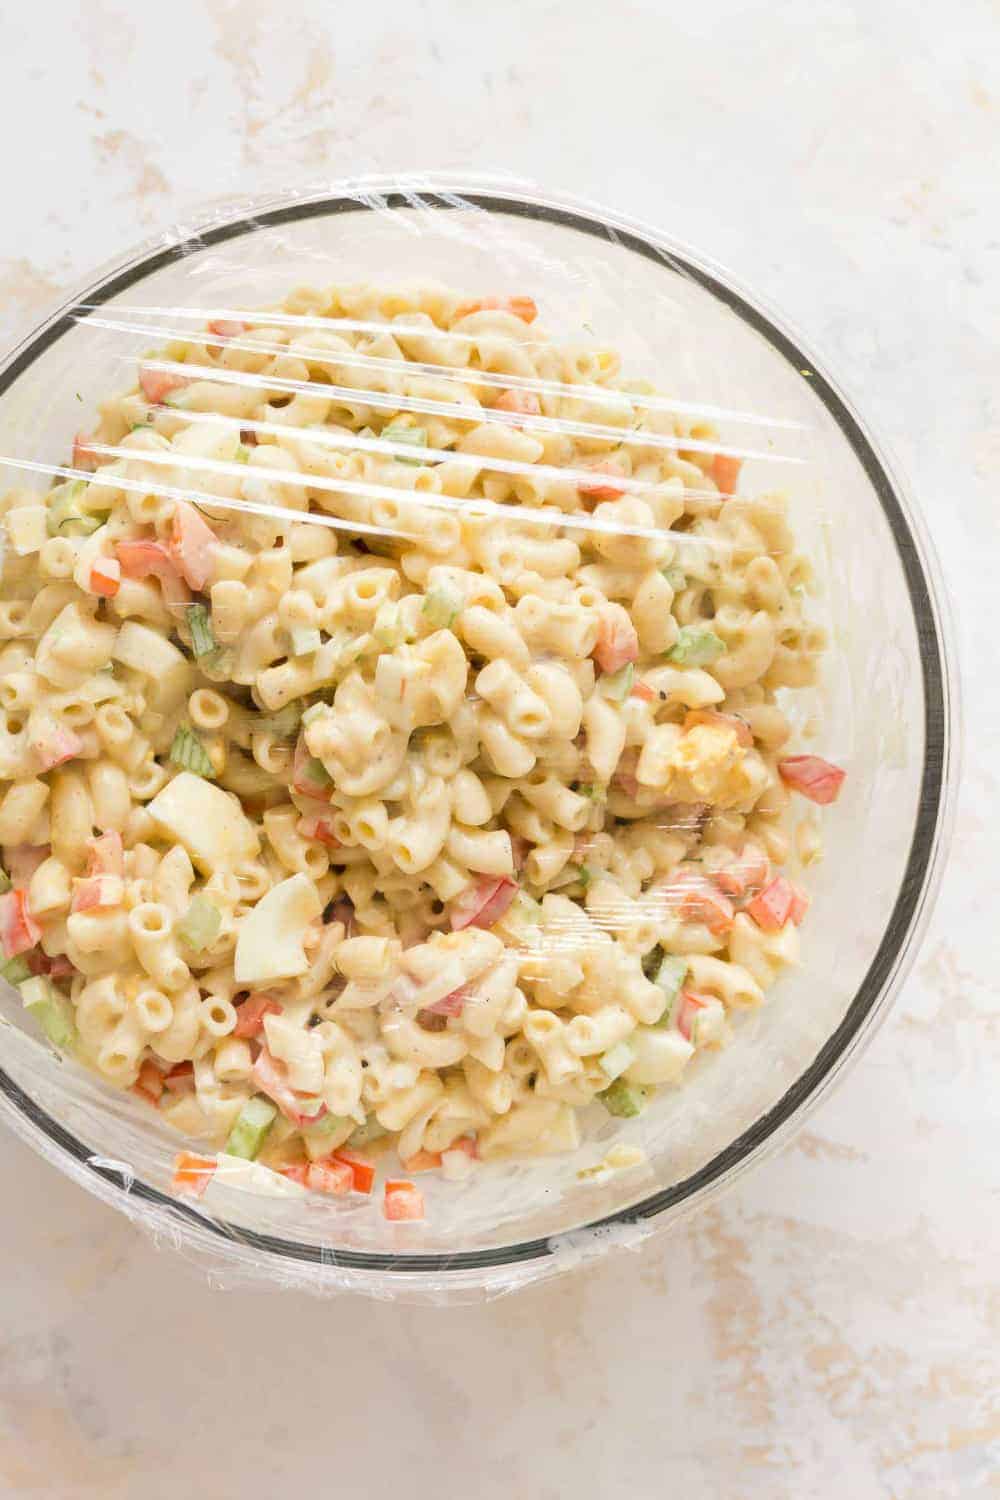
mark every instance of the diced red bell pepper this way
{"type": "Point", "coordinates": [271, 1078]}
{"type": "Point", "coordinates": [819, 780]}
{"type": "Point", "coordinates": [297, 1172]}
{"type": "Point", "coordinates": [156, 384]}
{"type": "Point", "coordinates": [523, 403]}
{"type": "Point", "coordinates": [55, 745]}
{"type": "Point", "coordinates": [18, 929]}
{"type": "Point", "coordinates": [362, 1170]}
{"type": "Point", "coordinates": [698, 900]}
{"type": "Point", "coordinates": [192, 1173]}
{"type": "Point", "coordinates": [402, 1201]}
{"type": "Point", "coordinates": [227, 328]}
{"type": "Point", "coordinates": [320, 829]}
{"type": "Point", "coordinates": [334, 1177]}
{"type": "Point", "coordinates": [250, 1014]}
{"type": "Point", "coordinates": [748, 871]}
{"type": "Point", "coordinates": [466, 1144]}
{"type": "Point", "coordinates": [772, 907]}
{"type": "Point", "coordinates": [726, 473]}
{"type": "Point", "coordinates": [450, 1005]}
{"type": "Point", "coordinates": [739, 726]}
{"type": "Point", "coordinates": [617, 642]}
{"type": "Point", "coordinates": [98, 891]}
{"type": "Point", "coordinates": [105, 577]}
{"type": "Point", "coordinates": [83, 455]}
{"type": "Point", "coordinates": [690, 1004]}
{"type": "Point", "coordinates": [483, 903]}
{"type": "Point", "coordinates": [522, 307]}
{"type": "Point", "coordinates": [143, 557]}
{"type": "Point", "coordinates": [603, 489]}
{"type": "Point", "coordinates": [149, 1084]}
{"type": "Point", "coordinates": [643, 690]}
{"type": "Point", "coordinates": [106, 854]}
{"type": "Point", "coordinates": [192, 546]}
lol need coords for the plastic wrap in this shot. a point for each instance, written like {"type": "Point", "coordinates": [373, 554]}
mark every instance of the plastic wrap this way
{"type": "Point", "coordinates": [704, 371]}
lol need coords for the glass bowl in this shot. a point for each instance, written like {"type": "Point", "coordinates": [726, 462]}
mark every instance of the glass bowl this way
{"type": "Point", "coordinates": [887, 703]}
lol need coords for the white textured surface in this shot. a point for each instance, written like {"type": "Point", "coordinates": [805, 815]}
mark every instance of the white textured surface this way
{"type": "Point", "coordinates": [833, 1328]}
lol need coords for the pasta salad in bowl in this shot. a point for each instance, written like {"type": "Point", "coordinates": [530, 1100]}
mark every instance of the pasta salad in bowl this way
{"type": "Point", "coordinates": [400, 758]}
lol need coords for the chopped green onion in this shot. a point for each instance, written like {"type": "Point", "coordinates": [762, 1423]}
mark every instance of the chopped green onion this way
{"type": "Point", "coordinates": [284, 724]}
{"type": "Point", "coordinates": [64, 510]}
{"type": "Point", "coordinates": [580, 874]}
{"type": "Point", "coordinates": [440, 607]}
{"type": "Point", "coordinates": [614, 1062]}
{"type": "Point", "coordinates": [314, 711]}
{"type": "Point", "coordinates": [15, 970]}
{"type": "Point", "coordinates": [51, 1010]}
{"type": "Point", "coordinates": [696, 646]}
{"type": "Point", "coordinates": [675, 576]}
{"type": "Point", "coordinates": [305, 640]}
{"type": "Point", "coordinates": [416, 437]}
{"type": "Point", "coordinates": [188, 752]}
{"type": "Point", "coordinates": [623, 1099]}
{"type": "Point", "coordinates": [5, 881]}
{"type": "Point", "coordinates": [251, 1127]}
{"type": "Point", "coordinates": [242, 454]}
{"type": "Point", "coordinates": [199, 926]}
{"type": "Point", "coordinates": [203, 642]}
{"type": "Point", "coordinates": [370, 1131]}
{"type": "Point", "coordinates": [618, 685]}
{"type": "Point", "coordinates": [670, 977]}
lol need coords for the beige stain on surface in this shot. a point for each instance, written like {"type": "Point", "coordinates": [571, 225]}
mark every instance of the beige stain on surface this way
{"type": "Point", "coordinates": [735, 1318]}
{"type": "Point", "coordinates": [123, 150]}
{"type": "Point", "coordinates": [23, 287]}
{"type": "Point", "coordinates": [44, 1453]}
{"type": "Point", "coordinates": [300, 121]}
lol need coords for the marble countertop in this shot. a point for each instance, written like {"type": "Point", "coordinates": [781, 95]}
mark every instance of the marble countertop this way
{"type": "Point", "coordinates": [832, 1328]}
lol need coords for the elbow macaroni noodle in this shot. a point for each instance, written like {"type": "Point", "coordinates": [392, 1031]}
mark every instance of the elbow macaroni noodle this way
{"type": "Point", "coordinates": [474, 790]}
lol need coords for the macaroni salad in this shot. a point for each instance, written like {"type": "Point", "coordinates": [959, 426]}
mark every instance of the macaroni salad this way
{"type": "Point", "coordinates": [390, 745]}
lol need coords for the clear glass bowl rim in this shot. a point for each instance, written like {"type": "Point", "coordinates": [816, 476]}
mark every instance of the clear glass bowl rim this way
{"type": "Point", "coordinates": [932, 828]}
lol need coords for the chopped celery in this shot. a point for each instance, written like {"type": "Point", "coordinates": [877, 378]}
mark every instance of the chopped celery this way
{"type": "Point", "coordinates": [670, 976]}
{"type": "Point", "coordinates": [203, 642]}
{"type": "Point", "coordinates": [593, 791]}
{"type": "Point", "coordinates": [199, 926]}
{"type": "Point", "coordinates": [252, 1124]}
{"type": "Point", "coordinates": [189, 753]}
{"type": "Point", "coordinates": [4, 880]}
{"type": "Point", "coordinates": [328, 1125]}
{"type": "Point", "coordinates": [618, 685]}
{"type": "Point", "coordinates": [305, 640]}
{"type": "Point", "coordinates": [370, 1131]}
{"type": "Point", "coordinates": [696, 646]}
{"type": "Point", "coordinates": [675, 576]}
{"type": "Point", "coordinates": [15, 970]}
{"type": "Point", "coordinates": [314, 711]}
{"type": "Point", "coordinates": [51, 1010]}
{"type": "Point", "coordinates": [581, 873]}
{"type": "Point", "coordinates": [623, 1099]}
{"type": "Point", "coordinates": [242, 454]}
{"type": "Point", "coordinates": [416, 437]}
{"type": "Point", "coordinates": [388, 628]}
{"type": "Point", "coordinates": [440, 606]}
{"type": "Point", "coordinates": [614, 1062]}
